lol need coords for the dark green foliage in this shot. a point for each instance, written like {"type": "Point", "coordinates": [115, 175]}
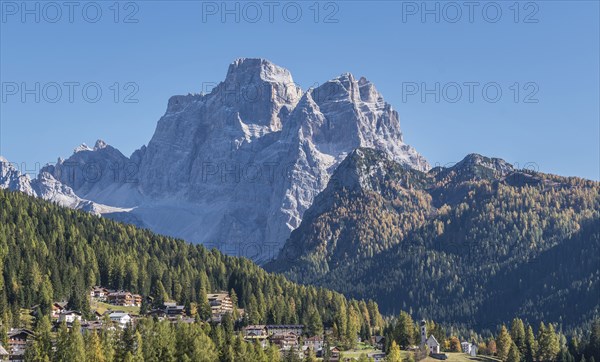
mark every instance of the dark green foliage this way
{"type": "Point", "coordinates": [476, 243]}
{"type": "Point", "coordinates": [46, 249]}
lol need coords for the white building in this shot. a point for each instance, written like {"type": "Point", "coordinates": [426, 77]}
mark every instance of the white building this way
{"type": "Point", "coordinates": [69, 316]}
{"type": "Point", "coordinates": [315, 343]}
{"type": "Point", "coordinates": [466, 347]}
{"type": "Point", "coordinates": [120, 318]}
{"type": "Point", "coordinates": [433, 345]}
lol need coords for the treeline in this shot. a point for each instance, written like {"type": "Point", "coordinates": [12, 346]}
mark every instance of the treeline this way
{"type": "Point", "coordinates": [519, 342]}
{"type": "Point", "coordinates": [476, 243]}
{"type": "Point", "coordinates": [50, 253]}
{"type": "Point", "coordinates": [149, 340]}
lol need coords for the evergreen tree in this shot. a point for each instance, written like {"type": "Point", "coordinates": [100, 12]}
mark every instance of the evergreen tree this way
{"type": "Point", "coordinates": [46, 297]}
{"type": "Point", "coordinates": [548, 344]}
{"type": "Point", "coordinates": [404, 330]}
{"type": "Point", "coordinates": [503, 343]}
{"type": "Point", "coordinates": [204, 311]}
{"type": "Point", "coordinates": [79, 300]}
{"type": "Point", "coordinates": [517, 333]}
{"type": "Point", "coordinates": [203, 349]}
{"type": "Point", "coordinates": [107, 338]}
{"type": "Point", "coordinates": [125, 342]}
{"type": "Point", "coordinates": [513, 353]}
{"type": "Point", "coordinates": [273, 354]}
{"type": "Point", "coordinates": [531, 345]}
{"type": "Point", "coordinates": [4, 332]}
{"type": "Point", "coordinates": [41, 348]}
{"type": "Point", "coordinates": [76, 345]}
{"type": "Point", "coordinates": [259, 353]}
{"type": "Point", "coordinates": [62, 344]}
{"type": "Point", "coordinates": [311, 356]}
{"type": "Point", "coordinates": [394, 353]}
{"type": "Point", "coordinates": [138, 348]}
{"type": "Point", "coordinates": [352, 327]}
{"type": "Point", "coordinates": [158, 294]}
{"type": "Point", "coordinates": [314, 324]}
{"type": "Point", "coordinates": [93, 348]}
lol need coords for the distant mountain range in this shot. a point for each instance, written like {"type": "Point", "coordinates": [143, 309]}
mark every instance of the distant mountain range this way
{"type": "Point", "coordinates": [235, 168]}
{"type": "Point", "coordinates": [475, 243]}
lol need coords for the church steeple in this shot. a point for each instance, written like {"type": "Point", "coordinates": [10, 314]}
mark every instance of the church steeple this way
{"type": "Point", "coordinates": [423, 332]}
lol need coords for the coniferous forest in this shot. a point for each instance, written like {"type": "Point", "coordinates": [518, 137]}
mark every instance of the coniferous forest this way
{"type": "Point", "coordinates": [476, 243]}
{"type": "Point", "coordinates": [50, 253]}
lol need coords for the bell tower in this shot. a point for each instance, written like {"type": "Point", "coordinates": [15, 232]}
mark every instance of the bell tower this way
{"type": "Point", "coordinates": [423, 332]}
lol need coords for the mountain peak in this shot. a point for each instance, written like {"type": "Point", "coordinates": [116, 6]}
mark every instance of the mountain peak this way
{"type": "Point", "coordinates": [497, 164]}
{"type": "Point", "coordinates": [100, 144]}
{"type": "Point", "coordinates": [245, 70]}
{"type": "Point", "coordinates": [476, 166]}
{"type": "Point", "coordinates": [82, 147]}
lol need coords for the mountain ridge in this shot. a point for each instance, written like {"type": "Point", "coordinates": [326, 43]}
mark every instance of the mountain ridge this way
{"type": "Point", "coordinates": [449, 242]}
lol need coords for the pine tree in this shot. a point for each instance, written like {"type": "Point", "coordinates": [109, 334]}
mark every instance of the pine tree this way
{"type": "Point", "coordinates": [62, 344]}
{"type": "Point", "coordinates": [311, 356]}
{"type": "Point", "coordinates": [3, 331]}
{"type": "Point", "coordinates": [404, 330]}
{"type": "Point", "coordinates": [204, 311]}
{"type": "Point", "coordinates": [517, 333]}
{"type": "Point", "coordinates": [158, 294]}
{"type": "Point", "coordinates": [46, 296]}
{"type": "Point", "coordinates": [164, 341]}
{"type": "Point", "coordinates": [93, 347]}
{"type": "Point", "coordinates": [503, 343]}
{"type": "Point", "coordinates": [273, 354]}
{"type": "Point", "coordinates": [203, 349]}
{"type": "Point", "coordinates": [259, 352]}
{"type": "Point", "coordinates": [394, 353]}
{"type": "Point", "coordinates": [314, 323]}
{"type": "Point", "coordinates": [513, 354]}
{"type": "Point", "coordinates": [352, 327]}
{"type": "Point", "coordinates": [76, 345]}
{"type": "Point", "coordinates": [548, 344]}
{"type": "Point", "coordinates": [138, 348]}
{"type": "Point", "coordinates": [531, 345]}
{"type": "Point", "coordinates": [41, 348]}
{"type": "Point", "coordinates": [107, 339]}
{"type": "Point", "coordinates": [125, 342]}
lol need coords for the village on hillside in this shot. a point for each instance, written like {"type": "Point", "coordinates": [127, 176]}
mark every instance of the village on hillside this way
{"type": "Point", "coordinates": [114, 309]}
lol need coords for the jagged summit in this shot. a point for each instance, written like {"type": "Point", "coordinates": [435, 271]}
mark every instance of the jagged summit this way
{"type": "Point", "coordinates": [81, 148]}
{"type": "Point", "coordinates": [100, 144]}
{"type": "Point", "coordinates": [251, 69]}
{"type": "Point", "coordinates": [477, 166]}
{"type": "Point", "coordinates": [11, 178]}
{"type": "Point", "coordinates": [238, 166]}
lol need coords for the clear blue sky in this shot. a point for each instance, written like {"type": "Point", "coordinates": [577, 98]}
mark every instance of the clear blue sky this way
{"type": "Point", "coordinates": [175, 47]}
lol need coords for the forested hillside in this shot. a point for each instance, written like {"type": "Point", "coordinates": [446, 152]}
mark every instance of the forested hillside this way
{"type": "Point", "coordinates": [476, 243]}
{"type": "Point", "coordinates": [50, 253]}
